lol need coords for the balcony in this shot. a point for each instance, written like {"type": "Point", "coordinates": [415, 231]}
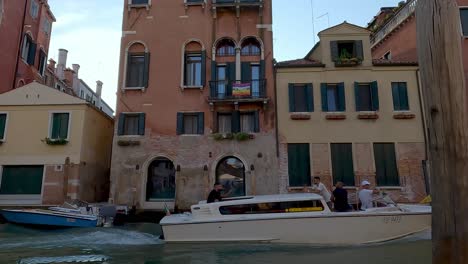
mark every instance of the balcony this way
{"type": "Point", "coordinates": [227, 3]}
{"type": "Point", "coordinates": [238, 91]}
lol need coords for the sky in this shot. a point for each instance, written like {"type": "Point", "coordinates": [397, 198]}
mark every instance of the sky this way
{"type": "Point", "coordinates": [91, 30]}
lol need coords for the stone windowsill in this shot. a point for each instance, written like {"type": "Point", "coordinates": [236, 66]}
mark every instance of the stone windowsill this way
{"type": "Point", "coordinates": [300, 116]}
{"type": "Point", "coordinates": [403, 115]}
{"type": "Point", "coordinates": [371, 115]}
{"type": "Point", "coordinates": [199, 3]}
{"type": "Point", "coordinates": [335, 116]}
{"type": "Point", "coordinates": [192, 87]}
{"type": "Point", "coordinates": [147, 6]}
{"type": "Point", "coordinates": [133, 88]}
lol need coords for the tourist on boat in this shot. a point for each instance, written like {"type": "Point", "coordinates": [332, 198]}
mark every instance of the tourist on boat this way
{"type": "Point", "coordinates": [366, 195]}
{"type": "Point", "coordinates": [215, 194]}
{"type": "Point", "coordinates": [320, 188]}
{"type": "Point", "coordinates": [340, 198]}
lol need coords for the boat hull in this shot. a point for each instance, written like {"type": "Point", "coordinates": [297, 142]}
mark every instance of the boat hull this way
{"type": "Point", "coordinates": [47, 219]}
{"type": "Point", "coordinates": [346, 229]}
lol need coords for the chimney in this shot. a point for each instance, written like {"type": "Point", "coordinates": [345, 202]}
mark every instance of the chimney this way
{"type": "Point", "coordinates": [62, 63]}
{"type": "Point", "coordinates": [98, 93]}
{"type": "Point", "coordinates": [51, 64]}
{"type": "Point", "coordinates": [76, 79]}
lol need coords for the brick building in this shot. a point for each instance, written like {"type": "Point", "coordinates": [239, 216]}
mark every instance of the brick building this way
{"type": "Point", "coordinates": [195, 102]}
{"type": "Point", "coordinates": [345, 117]}
{"type": "Point", "coordinates": [26, 25]}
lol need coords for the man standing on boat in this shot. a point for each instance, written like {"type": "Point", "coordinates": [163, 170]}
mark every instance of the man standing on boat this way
{"type": "Point", "coordinates": [340, 198]}
{"type": "Point", "coordinates": [366, 195]}
{"type": "Point", "coordinates": [320, 188]}
{"type": "Point", "coordinates": [215, 194]}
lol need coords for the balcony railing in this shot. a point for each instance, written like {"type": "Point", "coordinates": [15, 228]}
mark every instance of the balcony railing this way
{"type": "Point", "coordinates": [237, 2]}
{"type": "Point", "coordinates": [237, 90]}
{"type": "Point", "coordinates": [394, 22]}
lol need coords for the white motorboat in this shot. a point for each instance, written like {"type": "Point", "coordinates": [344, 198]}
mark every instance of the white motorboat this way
{"type": "Point", "coordinates": [293, 218]}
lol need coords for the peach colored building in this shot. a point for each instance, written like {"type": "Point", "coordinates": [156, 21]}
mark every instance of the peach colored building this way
{"type": "Point", "coordinates": [195, 102]}
{"type": "Point", "coordinates": [343, 116]}
{"type": "Point", "coordinates": [53, 146]}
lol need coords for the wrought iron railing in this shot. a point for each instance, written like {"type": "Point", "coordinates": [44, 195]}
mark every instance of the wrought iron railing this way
{"type": "Point", "coordinates": [245, 89]}
{"type": "Point", "coordinates": [224, 2]}
{"type": "Point", "coordinates": [394, 21]}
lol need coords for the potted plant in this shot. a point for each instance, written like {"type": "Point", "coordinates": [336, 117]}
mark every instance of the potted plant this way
{"type": "Point", "coordinates": [347, 59]}
{"type": "Point", "coordinates": [55, 142]}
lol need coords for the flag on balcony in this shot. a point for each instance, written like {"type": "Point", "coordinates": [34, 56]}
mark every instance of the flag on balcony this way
{"type": "Point", "coordinates": [241, 89]}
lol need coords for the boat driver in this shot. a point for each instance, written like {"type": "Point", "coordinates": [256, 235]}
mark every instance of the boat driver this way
{"type": "Point", "coordinates": [215, 194]}
{"type": "Point", "coordinates": [366, 195]}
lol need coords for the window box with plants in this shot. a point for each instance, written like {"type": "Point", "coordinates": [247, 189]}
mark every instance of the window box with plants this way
{"type": "Point", "coordinates": [347, 60]}
{"type": "Point", "coordinates": [55, 141]}
{"type": "Point", "coordinates": [241, 136]}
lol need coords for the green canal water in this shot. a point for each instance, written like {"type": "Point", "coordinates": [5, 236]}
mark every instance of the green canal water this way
{"type": "Point", "coordinates": [140, 244]}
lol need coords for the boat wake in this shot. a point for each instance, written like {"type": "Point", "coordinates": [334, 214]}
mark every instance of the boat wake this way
{"type": "Point", "coordinates": [66, 259]}
{"type": "Point", "coordinates": [89, 238]}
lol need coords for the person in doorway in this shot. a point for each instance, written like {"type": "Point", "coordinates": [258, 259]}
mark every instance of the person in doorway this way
{"type": "Point", "coordinates": [366, 195]}
{"type": "Point", "coordinates": [320, 188]}
{"type": "Point", "coordinates": [340, 198]}
{"type": "Point", "coordinates": [215, 194]}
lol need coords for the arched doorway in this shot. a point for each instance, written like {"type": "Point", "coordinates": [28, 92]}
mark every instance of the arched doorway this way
{"type": "Point", "coordinates": [160, 183]}
{"type": "Point", "coordinates": [230, 172]}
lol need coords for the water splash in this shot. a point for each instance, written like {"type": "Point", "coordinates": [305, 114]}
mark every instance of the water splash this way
{"type": "Point", "coordinates": [65, 259]}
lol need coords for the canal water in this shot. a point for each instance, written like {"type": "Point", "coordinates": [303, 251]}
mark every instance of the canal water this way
{"type": "Point", "coordinates": [140, 244]}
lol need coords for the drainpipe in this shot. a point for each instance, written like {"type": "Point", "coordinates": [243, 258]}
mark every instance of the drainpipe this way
{"type": "Point", "coordinates": [427, 175]}
{"type": "Point", "coordinates": [20, 44]}
{"type": "Point", "coordinates": [276, 108]}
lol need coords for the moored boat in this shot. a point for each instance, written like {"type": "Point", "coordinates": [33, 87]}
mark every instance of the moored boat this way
{"type": "Point", "coordinates": [49, 218]}
{"type": "Point", "coordinates": [293, 218]}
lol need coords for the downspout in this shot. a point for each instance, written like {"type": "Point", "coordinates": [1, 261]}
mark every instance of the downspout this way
{"type": "Point", "coordinates": [276, 108]}
{"type": "Point", "coordinates": [426, 137]}
{"type": "Point", "coordinates": [20, 44]}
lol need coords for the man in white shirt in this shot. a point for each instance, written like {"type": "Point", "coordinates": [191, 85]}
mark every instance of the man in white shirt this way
{"type": "Point", "coordinates": [320, 188]}
{"type": "Point", "coordinates": [366, 195]}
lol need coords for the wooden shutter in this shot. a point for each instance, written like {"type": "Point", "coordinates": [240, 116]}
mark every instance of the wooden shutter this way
{"type": "Point", "coordinates": [334, 50]}
{"type": "Point", "coordinates": [201, 123]}
{"type": "Point", "coordinates": [375, 96]}
{"type": "Point", "coordinates": [299, 165]}
{"type": "Point", "coordinates": [356, 96]}
{"type": "Point", "coordinates": [246, 72]}
{"type": "Point", "coordinates": [396, 96]}
{"type": "Point", "coordinates": [214, 78]}
{"type": "Point", "coordinates": [386, 165]}
{"type": "Point", "coordinates": [262, 69]}
{"type": "Point", "coordinates": [180, 123]}
{"type": "Point", "coordinates": [2, 126]}
{"type": "Point", "coordinates": [146, 70]}
{"type": "Point", "coordinates": [359, 49]}
{"type": "Point", "coordinates": [235, 125]}
{"type": "Point", "coordinates": [342, 163]}
{"type": "Point", "coordinates": [64, 119]}
{"type": "Point", "coordinates": [309, 92]}
{"type": "Point", "coordinates": [404, 100]}
{"type": "Point", "coordinates": [323, 91]}
{"type": "Point", "coordinates": [341, 97]}
{"type": "Point", "coordinates": [203, 68]}
{"type": "Point", "coordinates": [141, 124]}
{"type": "Point", "coordinates": [121, 125]}
{"type": "Point", "coordinates": [257, 121]}
{"type": "Point", "coordinates": [231, 76]}
{"type": "Point", "coordinates": [129, 65]}
{"type": "Point", "coordinates": [32, 53]}
{"type": "Point", "coordinates": [292, 107]}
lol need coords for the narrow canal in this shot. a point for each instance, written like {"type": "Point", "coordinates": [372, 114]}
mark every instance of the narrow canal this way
{"type": "Point", "coordinates": [140, 244]}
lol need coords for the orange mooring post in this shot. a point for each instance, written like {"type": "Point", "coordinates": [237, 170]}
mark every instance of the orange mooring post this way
{"type": "Point", "coordinates": [444, 91]}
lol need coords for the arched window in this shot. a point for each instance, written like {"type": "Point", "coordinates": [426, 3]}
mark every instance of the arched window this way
{"type": "Point", "coordinates": [28, 49]}
{"type": "Point", "coordinates": [230, 172]}
{"type": "Point", "coordinates": [226, 47]}
{"type": "Point", "coordinates": [1, 11]}
{"type": "Point", "coordinates": [250, 47]}
{"type": "Point", "coordinates": [137, 66]}
{"type": "Point", "coordinates": [194, 64]}
{"type": "Point", "coordinates": [161, 180]}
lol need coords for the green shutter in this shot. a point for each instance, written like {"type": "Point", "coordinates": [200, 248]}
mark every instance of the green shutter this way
{"type": "Point", "coordinates": [214, 78]}
{"type": "Point", "coordinates": [56, 125]}
{"type": "Point", "coordinates": [235, 122]}
{"type": "Point", "coordinates": [180, 123]}
{"type": "Point", "coordinates": [203, 68]}
{"type": "Point", "coordinates": [64, 119]}
{"type": "Point", "coordinates": [375, 96]}
{"type": "Point", "coordinates": [21, 180]}
{"type": "Point", "coordinates": [309, 93]}
{"type": "Point", "coordinates": [359, 49]}
{"type": "Point", "coordinates": [141, 124]}
{"type": "Point", "coordinates": [292, 107]}
{"type": "Point", "coordinates": [299, 165]}
{"type": "Point", "coordinates": [341, 97]}
{"type": "Point", "coordinates": [334, 50]}
{"type": "Point", "coordinates": [262, 69]}
{"type": "Point", "coordinates": [146, 70]}
{"type": "Point", "coordinates": [32, 53]}
{"type": "Point", "coordinates": [396, 96]}
{"type": "Point", "coordinates": [246, 72]}
{"type": "Point", "coordinates": [257, 121]}
{"type": "Point", "coordinates": [324, 94]}
{"type": "Point", "coordinates": [386, 165]}
{"type": "Point", "coordinates": [201, 123]}
{"type": "Point", "coordinates": [231, 76]}
{"type": "Point", "coordinates": [356, 96]}
{"type": "Point", "coordinates": [127, 74]}
{"type": "Point", "coordinates": [2, 125]}
{"type": "Point", "coordinates": [404, 101]}
{"type": "Point", "coordinates": [121, 125]}
{"type": "Point", "coordinates": [342, 163]}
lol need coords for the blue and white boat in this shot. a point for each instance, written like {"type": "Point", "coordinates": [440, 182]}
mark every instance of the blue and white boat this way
{"type": "Point", "coordinates": [53, 217]}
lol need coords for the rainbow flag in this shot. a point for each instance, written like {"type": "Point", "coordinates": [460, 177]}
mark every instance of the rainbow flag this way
{"type": "Point", "coordinates": [241, 89]}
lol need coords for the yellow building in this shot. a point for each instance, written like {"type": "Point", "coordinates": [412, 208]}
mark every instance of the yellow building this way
{"type": "Point", "coordinates": [345, 117]}
{"type": "Point", "coordinates": [53, 146]}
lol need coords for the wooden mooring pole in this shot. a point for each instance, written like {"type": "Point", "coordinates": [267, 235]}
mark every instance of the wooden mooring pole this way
{"type": "Point", "coordinates": [444, 91]}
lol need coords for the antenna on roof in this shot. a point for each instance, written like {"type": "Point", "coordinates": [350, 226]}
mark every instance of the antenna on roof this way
{"type": "Point", "coordinates": [313, 19]}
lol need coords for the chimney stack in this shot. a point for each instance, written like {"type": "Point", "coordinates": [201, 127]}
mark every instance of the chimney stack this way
{"type": "Point", "coordinates": [76, 79]}
{"type": "Point", "coordinates": [62, 63]}
{"type": "Point", "coordinates": [98, 93]}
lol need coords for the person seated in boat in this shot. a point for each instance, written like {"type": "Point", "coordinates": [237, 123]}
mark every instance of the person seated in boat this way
{"type": "Point", "coordinates": [340, 198]}
{"type": "Point", "coordinates": [215, 195]}
{"type": "Point", "coordinates": [366, 195]}
{"type": "Point", "coordinates": [321, 189]}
